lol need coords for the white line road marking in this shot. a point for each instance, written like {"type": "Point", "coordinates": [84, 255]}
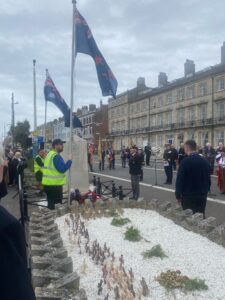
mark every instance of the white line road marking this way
{"type": "Point", "coordinates": [149, 168]}
{"type": "Point", "coordinates": [152, 186]}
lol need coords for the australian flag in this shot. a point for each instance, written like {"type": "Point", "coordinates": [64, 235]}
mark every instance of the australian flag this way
{"type": "Point", "coordinates": [86, 44]}
{"type": "Point", "coordinates": [52, 95]}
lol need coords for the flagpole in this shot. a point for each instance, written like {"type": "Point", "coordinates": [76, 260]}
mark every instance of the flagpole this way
{"type": "Point", "coordinates": [72, 90]}
{"type": "Point", "coordinates": [45, 116]}
{"type": "Point", "coordinates": [35, 105]}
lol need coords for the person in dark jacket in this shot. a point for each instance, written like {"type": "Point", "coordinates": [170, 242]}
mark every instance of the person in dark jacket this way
{"type": "Point", "coordinates": [103, 158]}
{"type": "Point", "coordinates": [210, 155]}
{"type": "Point", "coordinates": [148, 152]}
{"type": "Point", "coordinates": [15, 283]}
{"type": "Point", "coordinates": [168, 164]}
{"type": "Point", "coordinates": [123, 156]}
{"type": "Point", "coordinates": [181, 153]}
{"type": "Point", "coordinates": [135, 172]}
{"type": "Point", "coordinates": [193, 180]}
{"type": "Point", "coordinates": [3, 176]}
{"type": "Point", "coordinates": [142, 157]}
{"type": "Point", "coordinates": [174, 157]}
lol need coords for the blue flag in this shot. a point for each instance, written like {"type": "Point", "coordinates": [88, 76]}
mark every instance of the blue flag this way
{"type": "Point", "coordinates": [86, 44]}
{"type": "Point", "coordinates": [52, 95]}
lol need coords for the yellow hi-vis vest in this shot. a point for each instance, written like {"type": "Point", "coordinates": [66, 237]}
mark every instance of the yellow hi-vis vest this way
{"type": "Point", "coordinates": [36, 165]}
{"type": "Point", "coordinates": [50, 175]}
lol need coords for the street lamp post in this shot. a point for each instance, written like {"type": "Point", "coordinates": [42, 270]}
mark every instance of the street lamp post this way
{"type": "Point", "coordinates": [34, 86]}
{"type": "Point", "coordinates": [13, 119]}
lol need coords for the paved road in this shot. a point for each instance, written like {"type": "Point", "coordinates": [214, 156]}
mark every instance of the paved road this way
{"type": "Point", "coordinates": [216, 201]}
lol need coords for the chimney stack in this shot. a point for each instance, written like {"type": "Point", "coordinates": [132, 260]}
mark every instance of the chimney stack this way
{"type": "Point", "coordinates": [223, 54]}
{"type": "Point", "coordinates": [141, 82]}
{"type": "Point", "coordinates": [189, 68]}
{"type": "Point", "coordinates": [162, 79]}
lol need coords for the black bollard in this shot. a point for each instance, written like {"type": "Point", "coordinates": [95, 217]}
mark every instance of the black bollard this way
{"type": "Point", "coordinates": [113, 189]}
{"type": "Point", "coordinates": [120, 192]}
{"type": "Point", "coordinates": [94, 181]}
{"type": "Point", "coordinates": [99, 186]}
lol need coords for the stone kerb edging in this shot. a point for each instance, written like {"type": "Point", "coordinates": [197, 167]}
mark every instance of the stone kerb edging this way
{"type": "Point", "coordinates": [194, 222]}
{"type": "Point", "coordinates": [52, 269]}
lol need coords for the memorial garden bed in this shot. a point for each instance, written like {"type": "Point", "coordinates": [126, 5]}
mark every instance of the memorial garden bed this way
{"type": "Point", "coordinates": [166, 261]}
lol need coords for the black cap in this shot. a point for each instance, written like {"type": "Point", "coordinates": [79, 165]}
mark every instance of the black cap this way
{"type": "Point", "coordinates": [57, 142]}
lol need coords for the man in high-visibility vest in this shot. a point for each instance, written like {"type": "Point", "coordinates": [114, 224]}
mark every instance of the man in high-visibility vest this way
{"type": "Point", "coordinates": [38, 167]}
{"type": "Point", "coordinates": [54, 177]}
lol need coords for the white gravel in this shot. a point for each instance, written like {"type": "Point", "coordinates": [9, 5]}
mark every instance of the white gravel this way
{"type": "Point", "coordinates": [192, 254]}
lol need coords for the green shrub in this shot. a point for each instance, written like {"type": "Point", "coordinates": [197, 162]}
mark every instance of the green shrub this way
{"type": "Point", "coordinates": [112, 213]}
{"type": "Point", "coordinates": [175, 280]}
{"type": "Point", "coordinates": [119, 221]}
{"type": "Point", "coordinates": [156, 251]}
{"type": "Point", "coordinates": [132, 234]}
{"type": "Point", "coordinates": [195, 284]}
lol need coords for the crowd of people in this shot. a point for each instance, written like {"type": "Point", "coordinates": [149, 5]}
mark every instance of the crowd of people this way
{"type": "Point", "coordinates": [172, 159]}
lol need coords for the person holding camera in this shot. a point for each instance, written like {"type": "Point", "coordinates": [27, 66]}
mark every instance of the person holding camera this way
{"type": "Point", "coordinates": [54, 177]}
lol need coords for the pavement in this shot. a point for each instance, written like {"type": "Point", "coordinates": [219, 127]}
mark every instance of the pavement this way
{"type": "Point", "coordinates": [153, 187]}
{"type": "Point", "coordinates": [11, 203]}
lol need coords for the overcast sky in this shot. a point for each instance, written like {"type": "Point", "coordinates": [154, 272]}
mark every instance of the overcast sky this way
{"type": "Point", "coordinates": [137, 38]}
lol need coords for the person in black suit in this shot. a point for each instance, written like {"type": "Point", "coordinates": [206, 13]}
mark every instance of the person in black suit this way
{"type": "Point", "coordinates": [15, 282]}
{"type": "Point", "coordinates": [193, 180]}
{"type": "Point", "coordinates": [168, 163]}
{"type": "Point", "coordinates": [148, 152]}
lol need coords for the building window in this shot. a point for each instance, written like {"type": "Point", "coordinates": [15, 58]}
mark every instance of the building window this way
{"type": "Point", "coordinates": [122, 110]}
{"type": "Point", "coordinates": [153, 141]}
{"type": "Point", "coordinates": [144, 122]}
{"type": "Point", "coordinates": [203, 138]}
{"type": "Point", "coordinates": [180, 116]}
{"type": "Point", "coordinates": [112, 114]}
{"type": "Point", "coordinates": [180, 94]}
{"type": "Point", "coordinates": [191, 115]}
{"type": "Point", "coordinates": [191, 135]}
{"type": "Point", "coordinates": [138, 123]}
{"type": "Point", "coordinates": [220, 84]}
{"type": "Point", "coordinates": [160, 101]}
{"type": "Point", "coordinates": [159, 120]}
{"type": "Point", "coordinates": [89, 120]}
{"type": "Point", "coordinates": [168, 118]}
{"type": "Point", "coordinates": [202, 112]}
{"type": "Point", "coordinates": [219, 137]}
{"type": "Point", "coordinates": [170, 139]}
{"type": "Point", "coordinates": [220, 110]}
{"type": "Point", "coordinates": [169, 98]}
{"type": "Point", "coordinates": [160, 141]}
{"type": "Point", "coordinates": [202, 89]}
{"type": "Point", "coordinates": [190, 92]}
{"type": "Point", "coordinates": [138, 107]}
{"type": "Point", "coordinates": [153, 120]}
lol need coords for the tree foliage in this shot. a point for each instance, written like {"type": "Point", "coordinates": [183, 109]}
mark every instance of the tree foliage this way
{"type": "Point", "coordinates": [21, 133]}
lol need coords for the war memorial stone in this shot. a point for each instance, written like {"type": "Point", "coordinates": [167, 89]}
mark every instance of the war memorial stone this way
{"type": "Point", "coordinates": [79, 168]}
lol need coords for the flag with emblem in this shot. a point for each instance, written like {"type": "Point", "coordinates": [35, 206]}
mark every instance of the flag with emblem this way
{"type": "Point", "coordinates": [86, 44]}
{"type": "Point", "coordinates": [52, 95]}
